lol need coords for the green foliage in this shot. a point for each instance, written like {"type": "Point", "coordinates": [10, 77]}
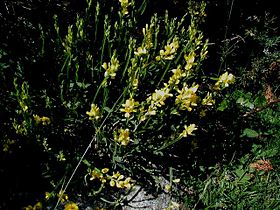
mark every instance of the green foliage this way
{"type": "Point", "coordinates": [239, 188]}
{"type": "Point", "coordinates": [123, 98]}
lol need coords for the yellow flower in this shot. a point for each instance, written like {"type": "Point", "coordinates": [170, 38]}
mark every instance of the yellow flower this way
{"type": "Point", "coordinates": [116, 175]}
{"type": "Point", "coordinates": [135, 83]}
{"type": "Point", "coordinates": [60, 156]}
{"type": "Point", "coordinates": [29, 207]}
{"type": "Point", "coordinates": [37, 118]}
{"type": "Point", "coordinates": [105, 170]}
{"type": "Point", "coordinates": [202, 113]}
{"type": "Point", "coordinates": [157, 99]}
{"type": "Point", "coordinates": [112, 183]}
{"type": "Point", "coordinates": [167, 188]}
{"type": "Point", "coordinates": [62, 196]}
{"type": "Point", "coordinates": [141, 51]}
{"type": "Point", "coordinates": [177, 75]}
{"type": "Point", "coordinates": [129, 107]}
{"type": "Point", "coordinates": [96, 174]}
{"type": "Point", "coordinates": [44, 120]}
{"type": "Point", "coordinates": [169, 51]}
{"type": "Point", "coordinates": [224, 80]}
{"type": "Point", "coordinates": [123, 137]}
{"type": "Point", "coordinates": [148, 36]}
{"type": "Point", "coordinates": [71, 206]}
{"type": "Point", "coordinates": [48, 195]}
{"type": "Point", "coordinates": [208, 100]}
{"type": "Point", "coordinates": [227, 79]}
{"type": "Point", "coordinates": [188, 130]}
{"type": "Point", "coordinates": [124, 4]}
{"type": "Point", "coordinates": [94, 113]}
{"type": "Point", "coordinates": [7, 144]}
{"type": "Point", "coordinates": [37, 206]}
{"type": "Point", "coordinates": [176, 180]}
{"type": "Point", "coordinates": [118, 180]}
{"type": "Point", "coordinates": [173, 206]}
{"type": "Point", "coordinates": [127, 183]}
{"type": "Point", "coordinates": [160, 96]}
{"type": "Point", "coordinates": [112, 67]}
{"type": "Point", "coordinates": [187, 97]}
{"type": "Point", "coordinates": [189, 60]}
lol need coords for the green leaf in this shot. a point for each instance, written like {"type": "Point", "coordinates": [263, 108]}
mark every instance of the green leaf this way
{"type": "Point", "coordinates": [223, 105]}
{"type": "Point", "coordinates": [240, 101]}
{"type": "Point", "coordinates": [86, 163]}
{"type": "Point", "coordinates": [250, 133]}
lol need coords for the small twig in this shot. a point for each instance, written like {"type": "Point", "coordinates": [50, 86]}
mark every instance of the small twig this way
{"type": "Point", "coordinates": [238, 37]}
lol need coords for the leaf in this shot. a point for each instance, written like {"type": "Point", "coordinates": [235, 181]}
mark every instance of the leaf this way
{"type": "Point", "coordinates": [86, 163]}
{"type": "Point", "coordinates": [240, 101]}
{"type": "Point", "coordinates": [249, 105]}
{"type": "Point", "coordinates": [243, 176]}
{"type": "Point", "coordinates": [245, 103]}
{"type": "Point", "coordinates": [223, 105]}
{"type": "Point", "coordinates": [250, 133]}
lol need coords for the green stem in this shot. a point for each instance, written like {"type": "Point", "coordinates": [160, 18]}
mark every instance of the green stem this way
{"type": "Point", "coordinates": [101, 85]}
{"type": "Point", "coordinates": [168, 144]}
{"type": "Point", "coordinates": [164, 73]}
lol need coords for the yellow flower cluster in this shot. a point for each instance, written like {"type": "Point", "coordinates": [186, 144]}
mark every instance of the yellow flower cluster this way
{"type": "Point", "coordinates": [60, 156]}
{"type": "Point", "coordinates": [159, 96]}
{"type": "Point", "coordinates": [48, 195]}
{"type": "Point", "coordinates": [23, 106]}
{"type": "Point", "coordinates": [97, 174]}
{"type": "Point", "coordinates": [173, 206]}
{"type": "Point", "coordinates": [124, 4]}
{"type": "Point", "coordinates": [147, 42]}
{"type": "Point", "coordinates": [94, 113]}
{"type": "Point", "coordinates": [189, 61]}
{"type": "Point", "coordinates": [71, 206]}
{"type": "Point", "coordinates": [119, 181]}
{"type": "Point", "coordinates": [188, 130]}
{"type": "Point", "coordinates": [41, 120]}
{"type": "Point", "coordinates": [116, 179]}
{"type": "Point", "coordinates": [187, 98]}
{"type": "Point", "coordinates": [141, 51]}
{"type": "Point", "coordinates": [224, 81]}
{"type": "Point", "coordinates": [157, 99]}
{"type": "Point", "coordinates": [7, 144]}
{"type": "Point", "coordinates": [168, 187]}
{"type": "Point", "coordinates": [169, 51]}
{"type": "Point", "coordinates": [129, 106]}
{"type": "Point", "coordinates": [177, 75]}
{"type": "Point", "coordinates": [62, 196]}
{"type": "Point", "coordinates": [208, 100]}
{"type": "Point", "coordinates": [111, 68]}
{"type": "Point", "coordinates": [123, 137]}
{"type": "Point", "coordinates": [68, 41]}
{"type": "Point", "coordinates": [37, 206]}
{"type": "Point", "coordinates": [148, 36]}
